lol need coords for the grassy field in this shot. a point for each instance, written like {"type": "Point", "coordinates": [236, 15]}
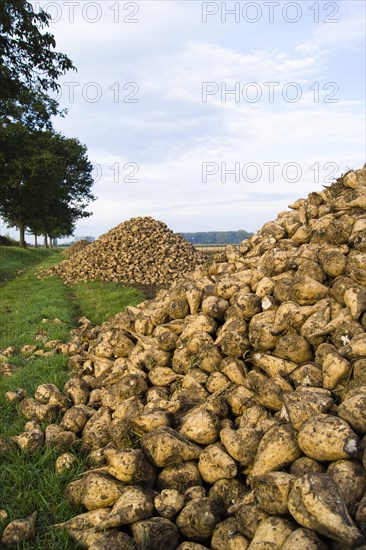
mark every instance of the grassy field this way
{"type": "Point", "coordinates": [33, 308]}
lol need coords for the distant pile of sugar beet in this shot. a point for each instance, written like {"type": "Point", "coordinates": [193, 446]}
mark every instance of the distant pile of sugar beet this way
{"type": "Point", "coordinates": [140, 250]}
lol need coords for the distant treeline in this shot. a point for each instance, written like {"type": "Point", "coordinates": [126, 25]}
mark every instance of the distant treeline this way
{"type": "Point", "coordinates": [217, 237]}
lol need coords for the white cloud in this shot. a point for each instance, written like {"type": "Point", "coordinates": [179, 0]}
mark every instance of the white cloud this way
{"type": "Point", "coordinates": [348, 32]}
{"type": "Point", "coordinates": [171, 132]}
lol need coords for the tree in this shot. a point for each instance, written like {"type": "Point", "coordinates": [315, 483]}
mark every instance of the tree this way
{"type": "Point", "coordinates": [29, 65]}
{"type": "Point", "coordinates": [15, 147]}
{"type": "Point", "coordinates": [217, 237]}
{"type": "Point", "coordinates": [45, 181]}
{"type": "Point", "coordinates": [58, 222]}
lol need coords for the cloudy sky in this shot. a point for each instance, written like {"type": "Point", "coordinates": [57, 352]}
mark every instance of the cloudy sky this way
{"type": "Point", "coordinates": [211, 115]}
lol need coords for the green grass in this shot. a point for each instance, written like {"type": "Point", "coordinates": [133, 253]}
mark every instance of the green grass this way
{"type": "Point", "coordinates": [27, 300]}
{"type": "Point", "coordinates": [29, 483]}
{"type": "Point", "coordinates": [99, 300]}
{"type": "Point", "coordinates": [13, 259]}
{"type": "Point", "coordinates": [31, 373]}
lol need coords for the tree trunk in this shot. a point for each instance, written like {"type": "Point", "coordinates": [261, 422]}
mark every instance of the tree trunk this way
{"type": "Point", "coordinates": [21, 235]}
{"type": "Point", "coordinates": [35, 241]}
{"type": "Point", "coordinates": [46, 241]}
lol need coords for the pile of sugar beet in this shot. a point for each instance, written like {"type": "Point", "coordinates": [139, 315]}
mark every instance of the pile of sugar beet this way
{"type": "Point", "coordinates": [75, 248]}
{"type": "Point", "coordinates": [230, 411]}
{"type": "Point", "coordinates": [139, 251]}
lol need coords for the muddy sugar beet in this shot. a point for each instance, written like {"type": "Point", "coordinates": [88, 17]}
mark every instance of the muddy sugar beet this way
{"type": "Point", "coordinates": [228, 412]}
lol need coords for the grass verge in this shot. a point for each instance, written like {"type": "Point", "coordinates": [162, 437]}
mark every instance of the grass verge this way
{"type": "Point", "coordinates": [99, 300]}
{"type": "Point", "coordinates": [28, 484]}
{"type": "Point", "coordinates": [14, 259]}
{"type": "Point", "coordinates": [35, 310]}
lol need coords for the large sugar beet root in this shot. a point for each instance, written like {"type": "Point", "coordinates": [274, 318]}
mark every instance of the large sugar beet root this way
{"type": "Point", "coordinates": [216, 464]}
{"type": "Point", "coordinates": [305, 465]}
{"type": "Point", "coordinates": [113, 540]}
{"type": "Point", "coordinates": [277, 449]}
{"type": "Point", "coordinates": [33, 410]}
{"type": "Point", "coordinates": [271, 492]}
{"type": "Point", "coordinates": [227, 537]}
{"type": "Point", "coordinates": [200, 426]}
{"type": "Point", "coordinates": [260, 335]}
{"type": "Point", "coordinates": [241, 444]}
{"type": "Point", "coordinates": [316, 502]}
{"type": "Point", "coordinates": [197, 519]}
{"type": "Point", "coordinates": [327, 437]}
{"type": "Point", "coordinates": [307, 291]}
{"type": "Point", "coordinates": [294, 347]}
{"type": "Point", "coordinates": [94, 539]}
{"type": "Point", "coordinates": [302, 405]}
{"type": "Point", "coordinates": [168, 503]}
{"type": "Point", "coordinates": [74, 419]}
{"type": "Point", "coordinates": [19, 531]}
{"type": "Point", "coordinates": [226, 493]}
{"type": "Point", "coordinates": [179, 476]}
{"type": "Point", "coordinates": [155, 534]}
{"type": "Point", "coordinates": [272, 365]}
{"type": "Point", "coordinates": [130, 466]}
{"type": "Point", "coordinates": [271, 534]}
{"type": "Point", "coordinates": [335, 369]}
{"type": "Point", "coordinates": [95, 433]}
{"type": "Point", "coordinates": [30, 441]}
{"type": "Point", "coordinates": [248, 516]}
{"type": "Point", "coordinates": [135, 504]}
{"type": "Point", "coordinates": [99, 492]}
{"type": "Point", "coordinates": [87, 520]}
{"type": "Point", "coordinates": [351, 479]}
{"type": "Point", "coordinates": [304, 539]}
{"type": "Point", "coordinates": [164, 446]}
{"type": "Point", "coordinates": [353, 410]}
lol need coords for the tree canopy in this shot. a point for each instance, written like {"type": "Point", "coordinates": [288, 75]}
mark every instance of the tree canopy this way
{"type": "Point", "coordinates": [45, 181]}
{"type": "Point", "coordinates": [45, 178]}
{"type": "Point", "coordinates": [217, 237]}
{"type": "Point", "coordinates": [29, 65]}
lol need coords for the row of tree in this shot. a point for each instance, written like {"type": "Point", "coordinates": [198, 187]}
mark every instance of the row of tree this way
{"type": "Point", "coordinates": [217, 237]}
{"type": "Point", "coordinates": [45, 177]}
